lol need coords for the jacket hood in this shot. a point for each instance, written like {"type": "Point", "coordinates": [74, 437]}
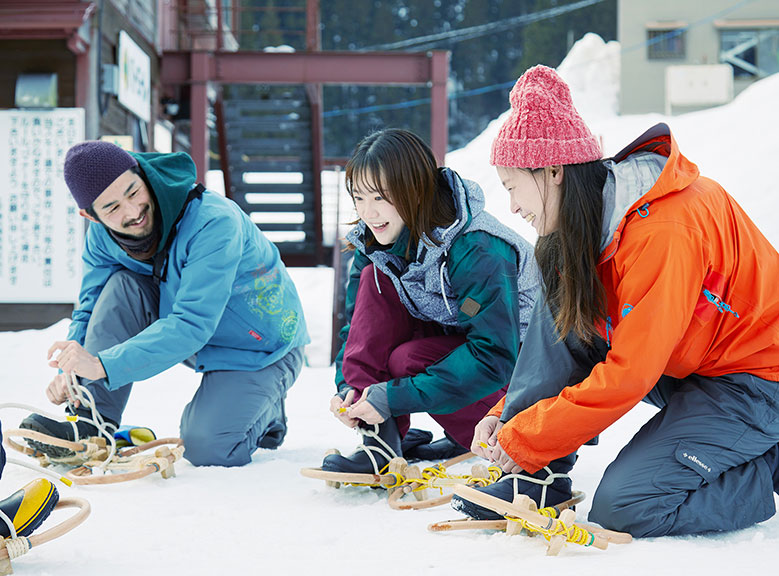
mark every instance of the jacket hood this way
{"type": "Point", "coordinates": [643, 172]}
{"type": "Point", "coordinates": [468, 196]}
{"type": "Point", "coordinates": [171, 177]}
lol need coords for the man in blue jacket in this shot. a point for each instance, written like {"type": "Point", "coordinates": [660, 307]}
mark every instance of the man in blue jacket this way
{"type": "Point", "coordinates": [176, 273]}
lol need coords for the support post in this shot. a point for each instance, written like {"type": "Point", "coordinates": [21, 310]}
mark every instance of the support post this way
{"type": "Point", "coordinates": [198, 132]}
{"type": "Point", "coordinates": [219, 26]}
{"type": "Point", "coordinates": [439, 105]}
{"type": "Point", "coordinates": [80, 48]}
{"type": "Point", "coordinates": [221, 131]}
{"type": "Point", "coordinates": [314, 92]}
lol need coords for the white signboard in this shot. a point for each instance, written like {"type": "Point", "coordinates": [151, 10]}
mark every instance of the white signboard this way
{"type": "Point", "coordinates": [698, 85]}
{"type": "Point", "coordinates": [41, 233]}
{"type": "Point", "coordinates": [134, 78]}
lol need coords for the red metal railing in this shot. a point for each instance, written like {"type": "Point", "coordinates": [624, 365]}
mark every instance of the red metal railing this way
{"type": "Point", "coordinates": [223, 24]}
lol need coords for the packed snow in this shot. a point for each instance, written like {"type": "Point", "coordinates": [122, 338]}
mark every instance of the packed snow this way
{"type": "Point", "coordinates": [267, 518]}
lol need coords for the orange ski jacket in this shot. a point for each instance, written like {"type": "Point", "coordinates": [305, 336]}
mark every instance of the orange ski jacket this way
{"type": "Point", "coordinates": [691, 286]}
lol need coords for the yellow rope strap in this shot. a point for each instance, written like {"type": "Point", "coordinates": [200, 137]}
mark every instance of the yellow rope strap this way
{"type": "Point", "coordinates": [573, 533]}
{"type": "Point", "coordinates": [436, 477]}
{"type": "Point", "coordinates": [494, 475]}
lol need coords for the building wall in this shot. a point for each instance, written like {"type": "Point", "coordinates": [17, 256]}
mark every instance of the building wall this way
{"type": "Point", "coordinates": [642, 85]}
{"type": "Point", "coordinates": [37, 56]}
{"type": "Point", "coordinates": [104, 115]}
{"type": "Point", "coordinates": [138, 19]}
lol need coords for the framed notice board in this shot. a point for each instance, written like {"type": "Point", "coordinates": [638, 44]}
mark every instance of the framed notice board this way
{"type": "Point", "coordinates": [41, 233]}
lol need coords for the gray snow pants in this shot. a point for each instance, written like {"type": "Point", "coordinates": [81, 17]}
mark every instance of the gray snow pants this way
{"type": "Point", "coordinates": [703, 463]}
{"type": "Point", "coordinates": [232, 413]}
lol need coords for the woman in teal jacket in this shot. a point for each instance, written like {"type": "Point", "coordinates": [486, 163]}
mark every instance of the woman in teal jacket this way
{"type": "Point", "coordinates": [175, 273]}
{"type": "Point", "coordinates": [438, 300]}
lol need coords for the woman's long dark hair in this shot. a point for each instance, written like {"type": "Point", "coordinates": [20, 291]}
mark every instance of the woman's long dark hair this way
{"type": "Point", "coordinates": [401, 168]}
{"type": "Point", "coordinates": [568, 256]}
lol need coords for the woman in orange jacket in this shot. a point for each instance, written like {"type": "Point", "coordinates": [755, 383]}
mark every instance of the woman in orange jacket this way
{"type": "Point", "coordinates": [657, 286]}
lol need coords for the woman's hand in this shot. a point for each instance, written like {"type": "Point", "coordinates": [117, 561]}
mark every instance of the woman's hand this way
{"type": "Point", "coordinates": [363, 410]}
{"type": "Point", "coordinates": [340, 408]}
{"type": "Point", "coordinates": [485, 436]}
{"type": "Point", "coordinates": [502, 459]}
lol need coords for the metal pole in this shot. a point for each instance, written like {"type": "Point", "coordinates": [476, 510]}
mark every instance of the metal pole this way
{"type": "Point", "coordinates": [219, 26]}
{"type": "Point", "coordinates": [314, 92]}
{"type": "Point", "coordinates": [198, 132]}
{"type": "Point", "coordinates": [439, 105]}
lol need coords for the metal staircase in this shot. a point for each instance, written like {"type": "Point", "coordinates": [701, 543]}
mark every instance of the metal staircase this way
{"type": "Point", "coordinates": [270, 165]}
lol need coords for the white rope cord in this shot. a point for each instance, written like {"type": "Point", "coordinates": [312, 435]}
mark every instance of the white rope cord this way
{"type": "Point", "coordinates": [443, 265]}
{"type": "Point", "coordinates": [552, 476]}
{"type": "Point", "coordinates": [85, 398]}
{"type": "Point", "coordinates": [17, 547]}
{"type": "Point", "coordinates": [15, 544]}
{"type": "Point", "coordinates": [30, 408]}
{"type": "Point", "coordinates": [389, 454]}
{"type": "Point", "coordinates": [78, 392]}
{"type": "Point", "coordinates": [39, 469]}
{"type": "Point", "coordinates": [8, 522]}
{"type": "Point", "coordinates": [443, 291]}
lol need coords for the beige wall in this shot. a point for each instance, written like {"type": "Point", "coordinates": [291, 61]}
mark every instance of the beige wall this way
{"type": "Point", "coordinates": [642, 85]}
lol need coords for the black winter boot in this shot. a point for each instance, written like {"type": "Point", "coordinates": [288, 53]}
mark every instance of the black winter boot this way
{"type": "Point", "coordinates": [442, 449]}
{"type": "Point", "coordinates": [62, 430]}
{"type": "Point", "coordinates": [360, 462]}
{"type": "Point", "coordinates": [413, 438]}
{"type": "Point", "coordinates": [558, 490]}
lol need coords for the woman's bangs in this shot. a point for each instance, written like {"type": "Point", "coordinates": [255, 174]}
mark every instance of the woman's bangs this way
{"type": "Point", "coordinates": [367, 180]}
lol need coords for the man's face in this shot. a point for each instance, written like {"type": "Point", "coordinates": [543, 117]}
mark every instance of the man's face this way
{"type": "Point", "coordinates": [126, 206]}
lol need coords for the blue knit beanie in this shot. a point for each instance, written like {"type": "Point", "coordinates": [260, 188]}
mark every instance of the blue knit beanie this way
{"type": "Point", "coordinates": [91, 167]}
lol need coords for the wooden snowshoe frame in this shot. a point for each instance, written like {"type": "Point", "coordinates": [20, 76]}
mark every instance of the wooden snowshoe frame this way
{"type": "Point", "coordinates": [502, 525]}
{"type": "Point", "coordinates": [55, 532]}
{"type": "Point", "coordinates": [523, 514]}
{"type": "Point", "coordinates": [90, 455]}
{"type": "Point", "coordinates": [402, 478]}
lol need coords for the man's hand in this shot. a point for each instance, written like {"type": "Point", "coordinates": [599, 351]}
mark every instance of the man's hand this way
{"type": "Point", "coordinates": [57, 391]}
{"type": "Point", "coordinates": [485, 436]}
{"type": "Point", "coordinates": [340, 408]}
{"type": "Point", "coordinates": [363, 410]}
{"type": "Point", "coordinates": [73, 358]}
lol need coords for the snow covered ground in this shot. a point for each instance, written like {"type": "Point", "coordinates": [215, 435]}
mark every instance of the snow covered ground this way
{"type": "Point", "coordinates": [266, 518]}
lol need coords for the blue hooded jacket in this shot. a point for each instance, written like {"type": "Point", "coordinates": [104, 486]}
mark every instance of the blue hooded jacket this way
{"type": "Point", "coordinates": [226, 297]}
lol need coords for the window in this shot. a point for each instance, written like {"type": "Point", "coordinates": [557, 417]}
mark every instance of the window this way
{"type": "Point", "coordinates": [666, 44]}
{"type": "Point", "coordinates": [752, 53]}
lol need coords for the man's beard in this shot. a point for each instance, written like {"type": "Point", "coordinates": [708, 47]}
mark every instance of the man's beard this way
{"type": "Point", "coordinates": [138, 246]}
{"type": "Point", "coordinates": [146, 212]}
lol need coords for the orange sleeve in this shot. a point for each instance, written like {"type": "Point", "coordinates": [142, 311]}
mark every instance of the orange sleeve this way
{"type": "Point", "coordinates": [661, 278]}
{"type": "Point", "coordinates": [497, 410]}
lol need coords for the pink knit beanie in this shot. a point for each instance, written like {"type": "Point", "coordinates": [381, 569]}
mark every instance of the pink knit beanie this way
{"type": "Point", "coordinates": [544, 128]}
